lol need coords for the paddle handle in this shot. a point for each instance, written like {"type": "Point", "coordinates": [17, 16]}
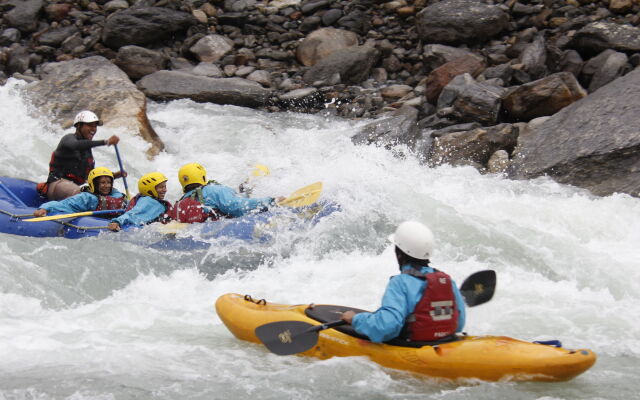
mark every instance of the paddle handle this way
{"type": "Point", "coordinates": [124, 179]}
{"type": "Point", "coordinates": [327, 325]}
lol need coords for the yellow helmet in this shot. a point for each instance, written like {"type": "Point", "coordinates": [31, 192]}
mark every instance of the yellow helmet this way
{"type": "Point", "coordinates": [97, 173]}
{"type": "Point", "coordinates": [147, 184]}
{"type": "Point", "coordinates": [192, 173]}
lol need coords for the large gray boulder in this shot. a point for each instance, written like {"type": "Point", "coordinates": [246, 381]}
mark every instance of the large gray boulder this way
{"type": "Point", "coordinates": [460, 21]}
{"type": "Point", "coordinates": [593, 143]}
{"type": "Point", "coordinates": [95, 84]}
{"type": "Point", "coordinates": [171, 85]}
{"type": "Point", "coordinates": [144, 25]}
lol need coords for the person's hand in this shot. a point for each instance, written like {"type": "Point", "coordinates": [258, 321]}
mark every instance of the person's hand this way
{"type": "Point", "coordinates": [40, 212]}
{"type": "Point", "coordinates": [120, 174]}
{"type": "Point", "coordinates": [347, 316]}
{"type": "Point", "coordinates": [113, 226]}
{"type": "Point", "coordinates": [113, 140]}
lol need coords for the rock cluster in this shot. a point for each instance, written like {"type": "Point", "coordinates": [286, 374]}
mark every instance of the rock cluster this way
{"type": "Point", "coordinates": [457, 80]}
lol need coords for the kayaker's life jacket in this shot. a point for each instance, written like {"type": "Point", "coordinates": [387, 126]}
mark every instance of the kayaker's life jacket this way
{"type": "Point", "coordinates": [164, 218]}
{"type": "Point", "coordinates": [191, 208]}
{"type": "Point", "coordinates": [436, 314]}
{"type": "Point", "coordinates": [75, 169]}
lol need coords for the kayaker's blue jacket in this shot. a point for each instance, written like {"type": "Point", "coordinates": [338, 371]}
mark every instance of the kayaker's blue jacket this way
{"type": "Point", "coordinates": [80, 202]}
{"type": "Point", "coordinates": [225, 200]}
{"type": "Point", "coordinates": [146, 210]}
{"type": "Point", "coordinates": [400, 299]}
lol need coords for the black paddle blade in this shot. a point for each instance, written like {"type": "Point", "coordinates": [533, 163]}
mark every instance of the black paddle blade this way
{"type": "Point", "coordinates": [287, 337]}
{"type": "Point", "coordinates": [479, 287]}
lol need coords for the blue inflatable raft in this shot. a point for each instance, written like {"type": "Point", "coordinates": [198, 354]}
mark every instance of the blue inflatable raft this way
{"type": "Point", "coordinates": [19, 199]}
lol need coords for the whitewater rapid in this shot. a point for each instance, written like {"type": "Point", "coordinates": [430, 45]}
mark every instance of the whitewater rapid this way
{"type": "Point", "coordinates": [104, 319]}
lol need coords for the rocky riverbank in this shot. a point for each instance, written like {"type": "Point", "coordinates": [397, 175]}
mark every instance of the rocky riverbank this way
{"type": "Point", "coordinates": [491, 84]}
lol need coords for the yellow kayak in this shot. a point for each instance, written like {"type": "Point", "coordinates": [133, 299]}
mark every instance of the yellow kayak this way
{"type": "Point", "coordinates": [489, 358]}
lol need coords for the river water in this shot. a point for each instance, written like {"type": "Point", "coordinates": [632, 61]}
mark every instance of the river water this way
{"type": "Point", "coordinates": [104, 319]}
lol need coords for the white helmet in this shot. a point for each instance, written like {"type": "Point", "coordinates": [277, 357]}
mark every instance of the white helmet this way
{"type": "Point", "coordinates": [86, 117]}
{"type": "Point", "coordinates": [413, 238]}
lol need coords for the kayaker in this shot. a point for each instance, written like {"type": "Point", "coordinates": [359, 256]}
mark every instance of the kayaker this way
{"type": "Point", "coordinates": [205, 200]}
{"type": "Point", "coordinates": [419, 304]}
{"type": "Point", "coordinates": [98, 195]}
{"type": "Point", "coordinates": [148, 205]}
{"type": "Point", "coordinates": [72, 159]}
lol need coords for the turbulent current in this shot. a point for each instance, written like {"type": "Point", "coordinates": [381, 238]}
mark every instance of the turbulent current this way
{"type": "Point", "coordinates": [111, 319]}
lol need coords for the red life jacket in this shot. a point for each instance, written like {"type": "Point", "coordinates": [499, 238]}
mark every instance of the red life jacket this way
{"type": "Point", "coordinates": [163, 218]}
{"type": "Point", "coordinates": [436, 314]}
{"type": "Point", "coordinates": [191, 209]}
{"type": "Point", "coordinates": [110, 203]}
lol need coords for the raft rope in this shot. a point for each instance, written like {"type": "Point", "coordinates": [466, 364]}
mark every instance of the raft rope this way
{"type": "Point", "coordinates": [258, 302]}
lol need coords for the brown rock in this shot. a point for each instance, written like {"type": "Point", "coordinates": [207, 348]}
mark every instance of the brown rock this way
{"type": "Point", "coordinates": [441, 76]}
{"type": "Point", "coordinates": [322, 42]}
{"type": "Point", "coordinates": [620, 6]}
{"type": "Point", "coordinates": [58, 12]}
{"type": "Point", "coordinates": [406, 11]}
{"type": "Point", "coordinates": [543, 97]}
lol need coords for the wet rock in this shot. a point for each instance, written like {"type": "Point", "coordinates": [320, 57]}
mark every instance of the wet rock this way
{"type": "Point", "coordinates": [212, 48]}
{"type": "Point", "coordinates": [498, 162]}
{"type": "Point", "coordinates": [441, 76]}
{"type": "Point", "coordinates": [144, 25]}
{"type": "Point", "coordinates": [321, 43]}
{"type": "Point", "coordinates": [397, 127]}
{"type": "Point", "coordinates": [599, 36]}
{"type": "Point", "coordinates": [352, 65]}
{"type": "Point", "coordinates": [96, 84]}
{"type": "Point", "coordinates": [23, 15]}
{"type": "Point", "coordinates": [137, 61]}
{"type": "Point", "coordinates": [460, 21]}
{"type": "Point", "coordinates": [475, 146]}
{"type": "Point", "coordinates": [592, 143]}
{"type": "Point", "coordinates": [604, 68]}
{"type": "Point", "coordinates": [171, 85]}
{"type": "Point", "coordinates": [543, 97]}
{"type": "Point", "coordinates": [466, 100]}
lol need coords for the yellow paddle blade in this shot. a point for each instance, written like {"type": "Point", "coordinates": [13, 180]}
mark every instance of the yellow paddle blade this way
{"type": "Point", "coordinates": [260, 170]}
{"type": "Point", "coordinates": [59, 216]}
{"type": "Point", "coordinates": [303, 197]}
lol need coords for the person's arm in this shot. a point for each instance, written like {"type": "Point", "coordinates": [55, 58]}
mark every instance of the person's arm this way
{"type": "Point", "coordinates": [71, 142]}
{"type": "Point", "coordinates": [225, 199]}
{"type": "Point", "coordinates": [460, 305]}
{"type": "Point", "coordinates": [79, 203]}
{"type": "Point", "coordinates": [397, 303]}
{"type": "Point", "coordinates": [146, 210]}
